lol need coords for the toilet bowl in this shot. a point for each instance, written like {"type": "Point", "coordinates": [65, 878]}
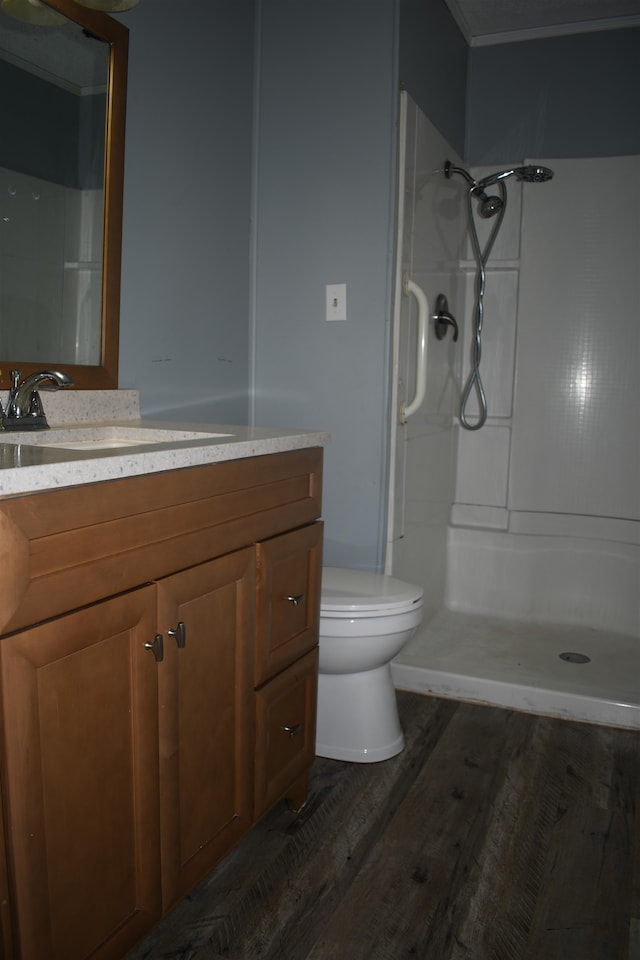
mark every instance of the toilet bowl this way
{"type": "Point", "coordinates": [365, 620]}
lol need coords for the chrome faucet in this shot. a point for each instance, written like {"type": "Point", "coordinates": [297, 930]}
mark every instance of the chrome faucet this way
{"type": "Point", "coordinates": [24, 406]}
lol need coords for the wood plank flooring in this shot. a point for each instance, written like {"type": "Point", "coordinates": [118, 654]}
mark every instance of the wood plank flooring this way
{"type": "Point", "coordinates": [495, 835]}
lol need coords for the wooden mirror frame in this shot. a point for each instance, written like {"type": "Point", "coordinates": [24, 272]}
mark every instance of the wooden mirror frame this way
{"type": "Point", "coordinates": [105, 375]}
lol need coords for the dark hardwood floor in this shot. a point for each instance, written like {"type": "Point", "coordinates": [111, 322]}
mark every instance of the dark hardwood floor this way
{"type": "Point", "coordinates": [495, 835]}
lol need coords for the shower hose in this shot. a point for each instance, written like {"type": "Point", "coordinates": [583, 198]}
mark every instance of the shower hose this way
{"type": "Point", "coordinates": [474, 381]}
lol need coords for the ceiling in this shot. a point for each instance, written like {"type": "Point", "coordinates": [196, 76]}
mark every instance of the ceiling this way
{"type": "Point", "coordinates": [498, 21]}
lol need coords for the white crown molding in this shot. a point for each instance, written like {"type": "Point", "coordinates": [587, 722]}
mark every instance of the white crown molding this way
{"type": "Point", "coordinates": [557, 30]}
{"type": "Point", "coordinates": [535, 33]}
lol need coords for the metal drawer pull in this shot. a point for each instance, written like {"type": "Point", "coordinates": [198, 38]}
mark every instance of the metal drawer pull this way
{"type": "Point", "coordinates": [156, 646]}
{"type": "Point", "coordinates": [296, 601]}
{"type": "Point", "coordinates": [294, 730]}
{"type": "Point", "coordinates": [180, 633]}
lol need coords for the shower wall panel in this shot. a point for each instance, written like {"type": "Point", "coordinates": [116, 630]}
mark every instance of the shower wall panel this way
{"type": "Point", "coordinates": [570, 580]}
{"type": "Point", "coordinates": [576, 442]}
{"type": "Point", "coordinates": [430, 248]}
{"type": "Point", "coordinates": [483, 456]}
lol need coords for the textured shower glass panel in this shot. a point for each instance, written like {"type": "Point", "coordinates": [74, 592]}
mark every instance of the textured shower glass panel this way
{"type": "Point", "coordinates": [576, 438]}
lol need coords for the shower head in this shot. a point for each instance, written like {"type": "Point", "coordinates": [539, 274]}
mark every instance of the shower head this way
{"type": "Point", "coordinates": [489, 206]}
{"type": "Point", "coordinates": [530, 174]}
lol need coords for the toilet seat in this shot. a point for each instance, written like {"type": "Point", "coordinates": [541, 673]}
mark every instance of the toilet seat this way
{"type": "Point", "coordinates": [360, 593]}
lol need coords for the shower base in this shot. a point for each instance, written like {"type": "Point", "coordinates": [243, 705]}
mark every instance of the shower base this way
{"type": "Point", "coordinates": [517, 665]}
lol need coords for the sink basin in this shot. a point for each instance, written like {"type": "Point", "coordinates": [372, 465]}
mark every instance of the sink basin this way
{"type": "Point", "coordinates": [108, 437]}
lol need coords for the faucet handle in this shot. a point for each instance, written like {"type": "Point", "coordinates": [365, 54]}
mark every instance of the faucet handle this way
{"type": "Point", "coordinates": [11, 402]}
{"type": "Point", "coordinates": [15, 378]}
{"type": "Point", "coordinates": [35, 405]}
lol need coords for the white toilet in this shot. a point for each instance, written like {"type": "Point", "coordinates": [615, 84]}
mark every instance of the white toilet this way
{"type": "Point", "coordinates": [365, 620]}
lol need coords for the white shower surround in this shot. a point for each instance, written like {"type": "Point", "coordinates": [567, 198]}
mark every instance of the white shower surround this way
{"type": "Point", "coordinates": [544, 501]}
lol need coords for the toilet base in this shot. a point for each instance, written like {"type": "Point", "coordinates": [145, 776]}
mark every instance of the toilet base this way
{"type": "Point", "coordinates": [358, 716]}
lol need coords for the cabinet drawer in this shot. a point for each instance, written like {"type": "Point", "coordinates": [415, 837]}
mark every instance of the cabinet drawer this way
{"type": "Point", "coordinates": [288, 605]}
{"type": "Point", "coordinates": [285, 730]}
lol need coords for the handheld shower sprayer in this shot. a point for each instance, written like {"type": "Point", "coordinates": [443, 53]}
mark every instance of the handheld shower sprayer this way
{"type": "Point", "coordinates": [529, 174]}
{"type": "Point", "coordinates": [488, 206]}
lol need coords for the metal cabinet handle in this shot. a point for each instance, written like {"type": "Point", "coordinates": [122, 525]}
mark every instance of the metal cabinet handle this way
{"type": "Point", "coordinates": [180, 633]}
{"type": "Point", "coordinates": [297, 600]}
{"type": "Point", "coordinates": [294, 730]}
{"type": "Point", "coordinates": [156, 646]}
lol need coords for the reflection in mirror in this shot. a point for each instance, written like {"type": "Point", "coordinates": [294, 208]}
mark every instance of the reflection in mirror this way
{"type": "Point", "coordinates": [51, 190]}
{"type": "Point", "coordinates": [61, 158]}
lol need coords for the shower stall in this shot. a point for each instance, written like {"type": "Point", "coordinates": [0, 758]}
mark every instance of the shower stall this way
{"type": "Point", "coordinates": [523, 530]}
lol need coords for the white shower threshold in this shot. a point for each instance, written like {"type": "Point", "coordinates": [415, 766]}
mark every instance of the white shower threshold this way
{"type": "Point", "coordinates": [515, 664]}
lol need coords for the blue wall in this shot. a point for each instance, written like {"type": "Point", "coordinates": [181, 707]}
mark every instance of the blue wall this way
{"type": "Point", "coordinates": [187, 205]}
{"type": "Point", "coordinates": [573, 96]}
{"type": "Point", "coordinates": [325, 214]}
{"type": "Point", "coordinates": [433, 66]}
{"type": "Point", "coordinates": [568, 96]}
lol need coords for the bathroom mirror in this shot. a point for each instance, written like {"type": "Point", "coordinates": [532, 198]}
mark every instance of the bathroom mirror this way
{"type": "Point", "coordinates": [62, 115]}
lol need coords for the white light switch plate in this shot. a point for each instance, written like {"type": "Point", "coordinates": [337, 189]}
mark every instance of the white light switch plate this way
{"type": "Point", "coordinates": [336, 301]}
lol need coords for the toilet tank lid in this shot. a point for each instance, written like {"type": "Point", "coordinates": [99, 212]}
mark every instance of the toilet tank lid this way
{"type": "Point", "coordinates": [360, 590]}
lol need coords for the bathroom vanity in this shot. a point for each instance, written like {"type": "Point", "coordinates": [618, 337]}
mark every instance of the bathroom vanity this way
{"type": "Point", "coordinates": [159, 618]}
{"type": "Point", "coordinates": [159, 588]}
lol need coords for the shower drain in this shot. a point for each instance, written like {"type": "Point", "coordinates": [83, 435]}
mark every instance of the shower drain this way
{"type": "Point", "coordinates": [575, 657]}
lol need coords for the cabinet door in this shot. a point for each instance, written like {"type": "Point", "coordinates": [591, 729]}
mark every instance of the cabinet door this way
{"type": "Point", "coordinates": [289, 571]}
{"type": "Point", "coordinates": [286, 734]}
{"type": "Point", "coordinates": [81, 776]}
{"type": "Point", "coordinates": [206, 716]}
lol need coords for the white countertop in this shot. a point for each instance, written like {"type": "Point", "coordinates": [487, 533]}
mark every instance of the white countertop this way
{"type": "Point", "coordinates": [27, 465]}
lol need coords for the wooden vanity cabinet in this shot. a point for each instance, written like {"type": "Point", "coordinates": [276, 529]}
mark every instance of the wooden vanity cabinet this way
{"type": "Point", "coordinates": [286, 664]}
{"type": "Point", "coordinates": [286, 735]}
{"type": "Point", "coordinates": [134, 725]}
{"type": "Point", "coordinates": [81, 780]}
{"type": "Point", "coordinates": [206, 716]}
